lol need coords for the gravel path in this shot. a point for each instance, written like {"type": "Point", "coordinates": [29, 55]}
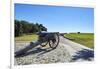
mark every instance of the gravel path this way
{"type": "Point", "coordinates": [67, 51]}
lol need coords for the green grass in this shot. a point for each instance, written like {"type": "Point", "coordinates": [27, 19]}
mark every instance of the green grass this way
{"type": "Point", "coordinates": [26, 38]}
{"type": "Point", "coordinates": [86, 39]}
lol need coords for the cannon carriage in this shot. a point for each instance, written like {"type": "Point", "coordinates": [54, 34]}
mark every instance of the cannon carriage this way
{"type": "Point", "coordinates": [49, 37]}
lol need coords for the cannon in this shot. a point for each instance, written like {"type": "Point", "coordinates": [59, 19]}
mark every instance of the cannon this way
{"type": "Point", "coordinates": [51, 38]}
{"type": "Point", "coordinates": [44, 38]}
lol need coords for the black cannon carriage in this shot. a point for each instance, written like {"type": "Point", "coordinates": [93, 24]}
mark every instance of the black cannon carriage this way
{"type": "Point", "coordinates": [49, 37]}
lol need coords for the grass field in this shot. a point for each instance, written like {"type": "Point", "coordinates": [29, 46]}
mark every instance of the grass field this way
{"type": "Point", "coordinates": [26, 38]}
{"type": "Point", "coordinates": [86, 39]}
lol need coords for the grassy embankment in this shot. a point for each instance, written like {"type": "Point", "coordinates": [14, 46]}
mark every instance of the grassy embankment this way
{"type": "Point", "coordinates": [86, 39]}
{"type": "Point", "coordinates": [26, 38]}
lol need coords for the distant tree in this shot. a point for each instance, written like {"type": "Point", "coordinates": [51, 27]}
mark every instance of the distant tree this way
{"type": "Point", "coordinates": [42, 28]}
{"type": "Point", "coordinates": [24, 27]}
{"type": "Point", "coordinates": [18, 28]}
{"type": "Point", "coordinates": [78, 32]}
{"type": "Point", "coordinates": [34, 29]}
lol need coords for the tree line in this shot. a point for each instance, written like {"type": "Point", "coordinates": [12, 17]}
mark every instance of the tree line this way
{"type": "Point", "coordinates": [24, 27]}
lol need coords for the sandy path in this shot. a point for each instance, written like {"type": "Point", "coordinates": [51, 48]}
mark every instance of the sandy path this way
{"type": "Point", "coordinates": [67, 51]}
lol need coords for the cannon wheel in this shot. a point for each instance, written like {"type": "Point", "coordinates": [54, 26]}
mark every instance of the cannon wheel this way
{"type": "Point", "coordinates": [54, 43]}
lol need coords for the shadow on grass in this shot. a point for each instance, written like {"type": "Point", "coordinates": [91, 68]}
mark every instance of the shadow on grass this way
{"type": "Point", "coordinates": [84, 54]}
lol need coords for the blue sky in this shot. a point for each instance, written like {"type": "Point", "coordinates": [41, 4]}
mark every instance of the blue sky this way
{"type": "Point", "coordinates": [57, 18]}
